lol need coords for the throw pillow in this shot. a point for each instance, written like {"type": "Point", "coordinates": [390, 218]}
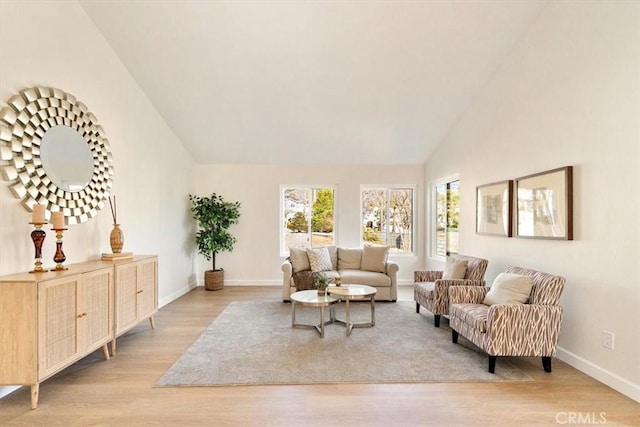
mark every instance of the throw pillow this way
{"type": "Point", "coordinates": [509, 289]}
{"type": "Point", "coordinates": [374, 258]}
{"type": "Point", "coordinates": [349, 259]}
{"type": "Point", "coordinates": [455, 268]}
{"type": "Point", "coordinates": [333, 253]}
{"type": "Point", "coordinates": [299, 259]}
{"type": "Point", "coordinates": [319, 259]}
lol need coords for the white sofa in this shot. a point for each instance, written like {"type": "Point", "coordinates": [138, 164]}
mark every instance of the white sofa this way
{"type": "Point", "coordinates": [363, 266]}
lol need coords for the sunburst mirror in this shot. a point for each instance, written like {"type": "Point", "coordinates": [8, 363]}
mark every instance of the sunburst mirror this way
{"type": "Point", "coordinates": [53, 152]}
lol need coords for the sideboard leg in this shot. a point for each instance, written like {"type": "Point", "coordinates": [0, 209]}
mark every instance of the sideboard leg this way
{"type": "Point", "coordinates": [35, 389]}
{"type": "Point", "coordinates": [113, 347]}
{"type": "Point", "coordinates": [105, 351]}
{"type": "Point", "coordinates": [153, 324]}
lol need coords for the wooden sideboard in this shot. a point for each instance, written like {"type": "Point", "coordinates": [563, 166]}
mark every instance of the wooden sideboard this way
{"type": "Point", "coordinates": [50, 320]}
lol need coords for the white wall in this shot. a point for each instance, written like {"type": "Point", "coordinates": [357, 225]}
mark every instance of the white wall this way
{"type": "Point", "coordinates": [568, 95]}
{"type": "Point", "coordinates": [256, 258]}
{"type": "Point", "coordinates": [55, 44]}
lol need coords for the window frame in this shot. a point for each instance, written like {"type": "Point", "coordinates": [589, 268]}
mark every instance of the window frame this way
{"type": "Point", "coordinates": [414, 203]}
{"type": "Point", "coordinates": [284, 250]}
{"type": "Point", "coordinates": [433, 226]}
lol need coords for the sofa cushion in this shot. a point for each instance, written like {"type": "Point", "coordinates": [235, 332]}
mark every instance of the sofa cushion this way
{"type": "Point", "coordinates": [474, 315]}
{"type": "Point", "coordinates": [509, 288]}
{"type": "Point", "coordinates": [374, 258]}
{"type": "Point", "coordinates": [319, 259]}
{"type": "Point", "coordinates": [333, 253]}
{"type": "Point", "coordinates": [332, 275]}
{"type": "Point", "coordinates": [455, 269]}
{"type": "Point", "coordinates": [299, 259]}
{"type": "Point", "coordinates": [349, 259]}
{"type": "Point", "coordinates": [360, 277]}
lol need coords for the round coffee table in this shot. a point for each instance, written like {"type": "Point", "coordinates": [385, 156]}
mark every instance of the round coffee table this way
{"type": "Point", "coordinates": [312, 299]}
{"type": "Point", "coordinates": [350, 292]}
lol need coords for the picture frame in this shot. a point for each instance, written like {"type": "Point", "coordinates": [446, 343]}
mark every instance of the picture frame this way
{"type": "Point", "coordinates": [494, 207]}
{"type": "Point", "coordinates": [545, 205]}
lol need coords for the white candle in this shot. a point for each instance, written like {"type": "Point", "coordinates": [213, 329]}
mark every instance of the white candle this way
{"type": "Point", "coordinates": [38, 214]}
{"type": "Point", "coordinates": [58, 220]}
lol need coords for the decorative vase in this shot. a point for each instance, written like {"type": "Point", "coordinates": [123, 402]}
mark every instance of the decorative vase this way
{"type": "Point", "coordinates": [116, 239]}
{"type": "Point", "coordinates": [214, 280]}
{"type": "Point", "coordinates": [322, 291]}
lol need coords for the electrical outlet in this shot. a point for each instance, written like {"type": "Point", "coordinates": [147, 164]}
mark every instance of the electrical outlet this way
{"type": "Point", "coordinates": [608, 339]}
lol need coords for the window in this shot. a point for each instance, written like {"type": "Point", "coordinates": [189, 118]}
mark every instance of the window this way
{"type": "Point", "coordinates": [446, 218]}
{"type": "Point", "coordinates": [308, 215]}
{"type": "Point", "coordinates": [387, 217]}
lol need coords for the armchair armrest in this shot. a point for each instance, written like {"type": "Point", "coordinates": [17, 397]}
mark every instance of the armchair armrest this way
{"type": "Point", "coordinates": [426, 275]}
{"type": "Point", "coordinates": [442, 285]}
{"type": "Point", "coordinates": [467, 294]}
{"type": "Point", "coordinates": [538, 329]}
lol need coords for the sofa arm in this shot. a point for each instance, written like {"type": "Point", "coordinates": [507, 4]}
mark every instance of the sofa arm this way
{"type": "Point", "coordinates": [426, 275]}
{"type": "Point", "coordinates": [391, 268]}
{"type": "Point", "coordinates": [287, 272]}
{"type": "Point", "coordinates": [467, 294]}
{"type": "Point", "coordinates": [392, 271]}
{"type": "Point", "coordinates": [538, 329]}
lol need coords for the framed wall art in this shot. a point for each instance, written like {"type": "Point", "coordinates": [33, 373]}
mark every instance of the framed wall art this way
{"type": "Point", "coordinates": [545, 205]}
{"type": "Point", "coordinates": [494, 204]}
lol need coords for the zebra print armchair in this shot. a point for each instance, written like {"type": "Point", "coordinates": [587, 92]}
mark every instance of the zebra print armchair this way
{"type": "Point", "coordinates": [530, 329]}
{"type": "Point", "coordinates": [431, 291]}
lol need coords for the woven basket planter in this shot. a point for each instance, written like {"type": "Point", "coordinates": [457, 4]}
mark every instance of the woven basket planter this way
{"type": "Point", "coordinates": [213, 280]}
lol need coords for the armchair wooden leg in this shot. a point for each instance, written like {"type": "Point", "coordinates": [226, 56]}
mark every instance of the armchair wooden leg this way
{"type": "Point", "coordinates": [454, 336]}
{"type": "Point", "coordinates": [417, 307]}
{"type": "Point", "coordinates": [546, 363]}
{"type": "Point", "coordinates": [436, 320]}
{"type": "Point", "coordinates": [492, 364]}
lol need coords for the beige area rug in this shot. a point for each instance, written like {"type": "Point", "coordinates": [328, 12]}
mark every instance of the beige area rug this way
{"type": "Point", "coordinates": [253, 343]}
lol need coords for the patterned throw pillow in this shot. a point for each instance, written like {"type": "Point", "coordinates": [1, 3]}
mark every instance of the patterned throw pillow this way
{"type": "Point", "coordinates": [319, 259]}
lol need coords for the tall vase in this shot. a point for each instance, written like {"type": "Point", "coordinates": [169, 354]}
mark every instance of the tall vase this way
{"type": "Point", "coordinates": [116, 239]}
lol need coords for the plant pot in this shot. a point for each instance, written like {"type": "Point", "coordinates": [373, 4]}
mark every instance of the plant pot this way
{"type": "Point", "coordinates": [213, 280]}
{"type": "Point", "coordinates": [322, 291]}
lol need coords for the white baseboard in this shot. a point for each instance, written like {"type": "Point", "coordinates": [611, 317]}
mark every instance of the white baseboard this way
{"type": "Point", "coordinates": [608, 378]}
{"type": "Point", "coordinates": [248, 282]}
{"type": "Point", "coordinates": [177, 294]}
{"type": "Point", "coordinates": [5, 390]}
{"type": "Point", "coordinates": [277, 282]}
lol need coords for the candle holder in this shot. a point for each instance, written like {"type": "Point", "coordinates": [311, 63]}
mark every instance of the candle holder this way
{"type": "Point", "coordinates": [38, 235]}
{"type": "Point", "coordinates": [59, 256]}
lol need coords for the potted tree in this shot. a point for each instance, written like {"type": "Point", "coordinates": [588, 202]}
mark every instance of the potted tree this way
{"type": "Point", "coordinates": [214, 217]}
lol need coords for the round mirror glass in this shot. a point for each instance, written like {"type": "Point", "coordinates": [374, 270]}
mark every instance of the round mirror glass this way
{"type": "Point", "coordinates": [66, 158]}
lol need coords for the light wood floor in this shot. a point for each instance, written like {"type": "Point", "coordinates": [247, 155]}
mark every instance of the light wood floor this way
{"type": "Point", "coordinates": [120, 392]}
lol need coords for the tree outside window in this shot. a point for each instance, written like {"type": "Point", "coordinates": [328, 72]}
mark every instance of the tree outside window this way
{"type": "Point", "coordinates": [308, 217]}
{"type": "Point", "coordinates": [387, 217]}
{"type": "Point", "coordinates": [447, 217]}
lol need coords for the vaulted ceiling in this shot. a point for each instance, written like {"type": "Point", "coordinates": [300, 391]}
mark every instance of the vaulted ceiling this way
{"type": "Point", "coordinates": [312, 82]}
